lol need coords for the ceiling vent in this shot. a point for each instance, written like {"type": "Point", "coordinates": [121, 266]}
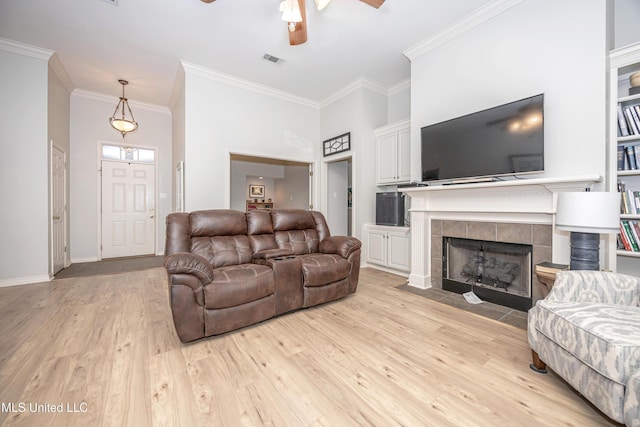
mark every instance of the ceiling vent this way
{"type": "Point", "coordinates": [273, 59]}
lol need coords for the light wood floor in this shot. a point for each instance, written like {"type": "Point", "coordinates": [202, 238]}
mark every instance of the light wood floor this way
{"type": "Point", "coordinates": [106, 345]}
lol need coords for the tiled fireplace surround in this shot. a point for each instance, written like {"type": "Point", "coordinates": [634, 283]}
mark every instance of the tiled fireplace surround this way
{"type": "Point", "coordinates": [517, 211]}
{"type": "Point", "coordinates": [537, 235]}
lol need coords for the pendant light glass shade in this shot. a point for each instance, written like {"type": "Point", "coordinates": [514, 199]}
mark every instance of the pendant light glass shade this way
{"type": "Point", "coordinates": [119, 119]}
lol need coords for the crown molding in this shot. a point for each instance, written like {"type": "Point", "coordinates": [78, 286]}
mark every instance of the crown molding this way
{"type": "Point", "coordinates": [399, 87]}
{"type": "Point", "coordinates": [228, 79]}
{"type": "Point", "coordinates": [96, 96]}
{"type": "Point", "coordinates": [25, 49]}
{"type": "Point", "coordinates": [178, 88]}
{"type": "Point", "coordinates": [61, 73]}
{"type": "Point", "coordinates": [361, 83]}
{"type": "Point", "coordinates": [465, 24]}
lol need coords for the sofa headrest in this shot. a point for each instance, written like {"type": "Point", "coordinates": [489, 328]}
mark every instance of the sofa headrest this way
{"type": "Point", "coordinates": [292, 219]}
{"type": "Point", "coordinates": [259, 222]}
{"type": "Point", "coordinates": [218, 222]}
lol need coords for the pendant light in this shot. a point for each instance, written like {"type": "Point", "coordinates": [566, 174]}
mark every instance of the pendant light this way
{"type": "Point", "coordinates": [119, 121]}
{"type": "Point", "coordinates": [291, 13]}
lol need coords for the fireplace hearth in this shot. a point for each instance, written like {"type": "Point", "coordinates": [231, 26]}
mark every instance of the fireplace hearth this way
{"type": "Point", "coordinates": [497, 272]}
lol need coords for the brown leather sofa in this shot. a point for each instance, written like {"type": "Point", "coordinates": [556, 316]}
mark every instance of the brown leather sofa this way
{"type": "Point", "coordinates": [229, 269]}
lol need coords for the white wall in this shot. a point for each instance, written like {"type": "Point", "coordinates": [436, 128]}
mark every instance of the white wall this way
{"type": "Point", "coordinates": [535, 47]}
{"type": "Point", "coordinates": [399, 104]}
{"type": "Point", "coordinates": [226, 116]}
{"type": "Point", "coordinates": [177, 129]}
{"type": "Point", "coordinates": [89, 125]}
{"type": "Point", "coordinates": [24, 167]}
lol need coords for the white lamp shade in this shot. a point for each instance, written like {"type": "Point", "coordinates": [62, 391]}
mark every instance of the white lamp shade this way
{"type": "Point", "coordinates": [290, 11]}
{"type": "Point", "coordinates": [589, 212]}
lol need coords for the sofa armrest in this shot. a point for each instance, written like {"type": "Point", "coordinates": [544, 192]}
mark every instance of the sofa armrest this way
{"type": "Point", "coordinates": [272, 253]}
{"type": "Point", "coordinates": [596, 287]}
{"type": "Point", "coordinates": [188, 263]}
{"type": "Point", "coordinates": [340, 245]}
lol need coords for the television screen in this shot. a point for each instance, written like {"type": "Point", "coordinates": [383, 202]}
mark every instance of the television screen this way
{"type": "Point", "coordinates": [504, 140]}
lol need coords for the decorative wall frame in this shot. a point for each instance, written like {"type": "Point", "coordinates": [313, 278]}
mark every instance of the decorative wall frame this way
{"type": "Point", "coordinates": [256, 191]}
{"type": "Point", "coordinates": [337, 145]}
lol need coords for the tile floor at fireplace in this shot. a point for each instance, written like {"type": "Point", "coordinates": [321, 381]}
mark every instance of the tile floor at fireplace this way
{"type": "Point", "coordinates": [493, 311]}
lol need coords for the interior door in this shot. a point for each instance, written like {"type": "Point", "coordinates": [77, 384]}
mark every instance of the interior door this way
{"type": "Point", "coordinates": [128, 209]}
{"type": "Point", "coordinates": [58, 239]}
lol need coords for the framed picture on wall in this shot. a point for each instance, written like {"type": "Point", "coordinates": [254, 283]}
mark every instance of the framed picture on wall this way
{"type": "Point", "coordinates": [256, 191]}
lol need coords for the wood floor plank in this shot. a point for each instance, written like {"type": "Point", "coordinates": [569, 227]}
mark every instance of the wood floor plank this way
{"type": "Point", "coordinates": [382, 356]}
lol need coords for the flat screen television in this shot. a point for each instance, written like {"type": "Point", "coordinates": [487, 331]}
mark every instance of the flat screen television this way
{"type": "Point", "coordinates": [503, 140]}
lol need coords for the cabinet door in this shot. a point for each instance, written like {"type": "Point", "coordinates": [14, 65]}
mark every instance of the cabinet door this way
{"type": "Point", "coordinates": [404, 155]}
{"type": "Point", "coordinates": [377, 247]}
{"type": "Point", "coordinates": [386, 159]}
{"type": "Point", "coordinates": [399, 250]}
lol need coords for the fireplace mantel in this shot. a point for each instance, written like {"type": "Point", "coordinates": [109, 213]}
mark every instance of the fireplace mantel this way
{"type": "Point", "coordinates": [531, 201]}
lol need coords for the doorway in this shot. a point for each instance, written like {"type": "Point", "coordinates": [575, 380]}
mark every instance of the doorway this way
{"type": "Point", "coordinates": [285, 183]}
{"type": "Point", "coordinates": [128, 217]}
{"type": "Point", "coordinates": [339, 196]}
{"type": "Point", "coordinates": [58, 209]}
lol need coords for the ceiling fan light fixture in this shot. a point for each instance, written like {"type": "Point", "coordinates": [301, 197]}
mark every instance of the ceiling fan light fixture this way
{"type": "Point", "coordinates": [321, 4]}
{"type": "Point", "coordinates": [291, 13]}
{"type": "Point", "coordinates": [119, 121]}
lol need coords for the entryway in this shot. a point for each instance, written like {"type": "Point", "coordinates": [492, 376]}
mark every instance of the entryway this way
{"type": "Point", "coordinates": [339, 196]}
{"type": "Point", "coordinates": [284, 183]}
{"type": "Point", "coordinates": [58, 209]}
{"type": "Point", "coordinates": [128, 213]}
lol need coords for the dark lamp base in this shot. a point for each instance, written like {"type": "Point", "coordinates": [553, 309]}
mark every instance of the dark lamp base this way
{"type": "Point", "coordinates": [585, 251]}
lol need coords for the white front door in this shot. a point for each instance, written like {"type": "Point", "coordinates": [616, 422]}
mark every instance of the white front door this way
{"type": "Point", "coordinates": [58, 240]}
{"type": "Point", "coordinates": [128, 209]}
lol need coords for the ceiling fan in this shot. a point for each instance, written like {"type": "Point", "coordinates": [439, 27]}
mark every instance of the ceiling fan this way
{"type": "Point", "coordinates": [294, 13]}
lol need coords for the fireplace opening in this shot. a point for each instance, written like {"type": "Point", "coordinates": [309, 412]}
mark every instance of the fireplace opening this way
{"type": "Point", "coordinates": [497, 272]}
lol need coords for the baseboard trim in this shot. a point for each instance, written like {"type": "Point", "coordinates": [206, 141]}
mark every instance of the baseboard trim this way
{"type": "Point", "coordinates": [27, 280]}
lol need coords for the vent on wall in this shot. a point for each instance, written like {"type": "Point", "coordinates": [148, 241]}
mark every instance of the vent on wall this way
{"type": "Point", "coordinates": [273, 59]}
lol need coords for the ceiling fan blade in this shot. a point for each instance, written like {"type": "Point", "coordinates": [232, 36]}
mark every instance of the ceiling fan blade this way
{"type": "Point", "coordinates": [299, 35]}
{"type": "Point", "coordinates": [208, 1]}
{"type": "Point", "coordinates": [374, 3]}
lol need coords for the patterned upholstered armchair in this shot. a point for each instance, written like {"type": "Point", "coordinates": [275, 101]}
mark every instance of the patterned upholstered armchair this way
{"type": "Point", "coordinates": [588, 331]}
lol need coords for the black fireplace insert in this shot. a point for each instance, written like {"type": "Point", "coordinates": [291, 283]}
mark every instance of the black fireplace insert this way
{"type": "Point", "coordinates": [497, 272]}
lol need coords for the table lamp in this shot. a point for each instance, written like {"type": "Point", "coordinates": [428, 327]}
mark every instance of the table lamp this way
{"type": "Point", "coordinates": [586, 215]}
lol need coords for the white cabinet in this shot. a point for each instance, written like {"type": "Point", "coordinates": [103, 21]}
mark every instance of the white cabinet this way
{"type": "Point", "coordinates": [393, 153]}
{"type": "Point", "coordinates": [622, 144]}
{"type": "Point", "coordinates": [389, 246]}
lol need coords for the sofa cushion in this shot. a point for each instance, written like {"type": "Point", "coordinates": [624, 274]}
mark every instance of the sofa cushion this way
{"type": "Point", "coordinates": [217, 222]}
{"type": "Point", "coordinates": [221, 251]}
{"type": "Point", "coordinates": [322, 269]}
{"type": "Point", "coordinates": [292, 219]}
{"type": "Point", "coordinates": [299, 242]}
{"type": "Point", "coordinates": [238, 284]}
{"type": "Point", "coordinates": [606, 337]}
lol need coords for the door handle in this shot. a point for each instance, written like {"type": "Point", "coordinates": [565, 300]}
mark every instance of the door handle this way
{"type": "Point", "coordinates": [56, 217]}
{"type": "Point", "coordinates": [150, 216]}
